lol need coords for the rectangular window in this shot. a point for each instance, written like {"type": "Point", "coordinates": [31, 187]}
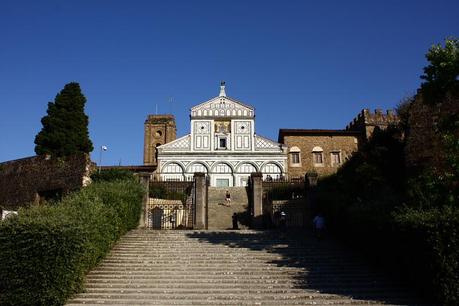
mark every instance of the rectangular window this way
{"type": "Point", "coordinates": [318, 158]}
{"type": "Point", "coordinates": [295, 158]}
{"type": "Point", "coordinates": [222, 143]}
{"type": "Point", "coordinates": [335, 158]}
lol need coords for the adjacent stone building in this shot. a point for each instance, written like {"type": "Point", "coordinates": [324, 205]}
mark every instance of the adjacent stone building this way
{"type": "Point", "coordinates": [324, 151]}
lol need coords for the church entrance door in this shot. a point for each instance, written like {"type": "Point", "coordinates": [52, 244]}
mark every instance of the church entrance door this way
{"type": "Point", "coordinates": [221, 182]}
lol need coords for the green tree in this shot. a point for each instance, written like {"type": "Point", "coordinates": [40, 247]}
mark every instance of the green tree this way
{"type": "Point", "coordinates": [441, 75]}
{"type": "Point", "coordinates": [65, 127]}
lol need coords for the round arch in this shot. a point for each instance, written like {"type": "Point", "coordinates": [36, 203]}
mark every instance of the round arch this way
{"type": "Point", "coordinates": [221, 167]}
{"type": "Point", "coordinates": [279, 166]}
{"type": "Point", "coordinates": [244, 167]}
{"type": "Point", "coordinates": [317, 149]}
{"type": "Point", "coordinates": [172, 167]}
{"type": "Point", "coordinates": [197, 167]}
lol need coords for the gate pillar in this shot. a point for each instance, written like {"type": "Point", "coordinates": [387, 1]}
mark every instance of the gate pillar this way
{"type": "Point", "coordinates": [200, 200]}
{"type": "Point", "coordinates": [257, 200]}
{"type": "Point", "coordinates": [145, 181]}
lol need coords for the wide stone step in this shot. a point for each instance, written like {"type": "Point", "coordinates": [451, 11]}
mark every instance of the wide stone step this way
{"type": "Point", "coordinates": [241, 283]}
{"type": "Point", "coordinates": [228, 301]}
{"type": "Point", "coordinates": [241, 295]}
{"type": "Point", "coordinates": [235, 268]}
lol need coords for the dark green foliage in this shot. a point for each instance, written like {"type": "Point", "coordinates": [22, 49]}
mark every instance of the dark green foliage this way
{"type": "Point", "coordinates": [286, 191]}
{"type": "Point", "coordinates": [441, 75]}
{"type": "Point", "coordinates": [161, 192]}
{"type": "Point", "coordinates": [110, 175]}
{"type": "Point", "coordinates": [403, 111]}
{"type": "Point", "coordinates": [430, 243]}
{"type": "Point", "coordinates": [47, 250]}
{"type": "Point", "coordinates": [369, 182]}
{"type": "Point", "coordinates": [65, 127]}
{"type": "Point", "coordinates": [366, 203]}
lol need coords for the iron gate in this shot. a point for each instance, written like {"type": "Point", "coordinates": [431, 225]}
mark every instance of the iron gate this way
{"type": "Point", "coordinates": [171, 205]}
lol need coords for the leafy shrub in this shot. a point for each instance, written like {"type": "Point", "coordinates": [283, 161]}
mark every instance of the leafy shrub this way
{"type": "Point", "coordinates": [430, 241]}
{"type": "Point", "coordinates": [47, 250]}
{"type": "Point", "coordinates": [111, 175]}
{"type": "Point", "coordinates": [161, 192]}
{"type": "Point", "coordinates": [286, 191]}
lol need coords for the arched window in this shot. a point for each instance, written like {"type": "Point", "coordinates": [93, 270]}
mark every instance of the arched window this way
{"type": "Point", "coordinates": [197, 167]}
{"type": "Point", "coordinates": [295, 156]}
{"type": "Point", "coordinates": [335, 157]}
{"type": "Point", "coordinates": [271, 171]}
{"type": "Point", "coordinates": [318, 156]}
{"type": "Point", "coordinates": [247, 168]}
{"type": "Point", "coordinates": [222, 168]}
{"type": "Point", "coordinates": [172, 168]}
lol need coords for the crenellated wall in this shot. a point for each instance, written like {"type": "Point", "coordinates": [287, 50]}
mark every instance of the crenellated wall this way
{"type": "Point", "coordinates": [366, 121]}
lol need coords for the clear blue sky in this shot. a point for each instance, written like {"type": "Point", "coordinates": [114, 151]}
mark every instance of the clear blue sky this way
{"type": "Point", "coordinates": [302, 64]}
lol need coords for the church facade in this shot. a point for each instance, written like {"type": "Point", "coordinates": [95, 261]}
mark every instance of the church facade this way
{"type": "Point", "coordinates": [222, 143]}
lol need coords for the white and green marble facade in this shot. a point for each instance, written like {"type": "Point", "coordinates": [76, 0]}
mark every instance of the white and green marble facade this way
{"type": "Point", "coordinates": [223, 144]}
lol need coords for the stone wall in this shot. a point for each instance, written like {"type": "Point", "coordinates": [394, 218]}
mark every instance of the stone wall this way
{"type": "Point", "coordinates": [33, 179]}
{"type": "Point", "coordinates": [330, 141]}
{"type": "Point", "coordinates": [423, 145]}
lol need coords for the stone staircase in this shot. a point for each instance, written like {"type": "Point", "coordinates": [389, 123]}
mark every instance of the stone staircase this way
{"type": "Point", "coordinates": [235, 268]}
{"type": "Point", "coordinates": [219, 215]}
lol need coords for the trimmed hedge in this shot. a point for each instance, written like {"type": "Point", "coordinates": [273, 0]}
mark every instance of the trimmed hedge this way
{"type": "Point", "coordinates": [47, 250]}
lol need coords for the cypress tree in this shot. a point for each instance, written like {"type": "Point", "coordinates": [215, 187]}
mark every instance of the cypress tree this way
{"type": "Point", "coordinates": [65, 127]}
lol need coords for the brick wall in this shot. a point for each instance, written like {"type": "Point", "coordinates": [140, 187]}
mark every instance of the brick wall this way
{"type": "Point", "coordinates": [30, 179]}
{"type": "Point", "coordinates": [159, 129]}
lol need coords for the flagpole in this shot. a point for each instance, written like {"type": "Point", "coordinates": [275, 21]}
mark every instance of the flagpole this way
{"type": "Point", "coordinates": [100, 158]}
{"type": "Point", "coordinates": [102, 148]}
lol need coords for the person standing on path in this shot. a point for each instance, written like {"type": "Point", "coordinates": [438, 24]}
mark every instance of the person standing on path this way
{"type": "Point", "coordinates": [318, 225]}
{"type": "Point", "coordinates": [228, 198]}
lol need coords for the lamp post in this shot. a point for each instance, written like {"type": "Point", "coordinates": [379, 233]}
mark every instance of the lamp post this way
{"type": "Point", "coordinates": [102, 148]}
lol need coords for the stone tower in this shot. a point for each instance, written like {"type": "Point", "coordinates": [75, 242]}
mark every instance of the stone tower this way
{"type": "Point", "coordinates": [159, 129]}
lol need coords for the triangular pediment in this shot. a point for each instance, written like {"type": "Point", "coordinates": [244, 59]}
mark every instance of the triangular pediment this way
{"type": "Point", "coordinates": [222, 107]}
{"type": "Point", "coordinates": [265, 144]}
{"type": "Point", "coordinates": [180, 144]}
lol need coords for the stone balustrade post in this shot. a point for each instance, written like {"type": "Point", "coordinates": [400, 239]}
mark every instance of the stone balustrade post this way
{"type": "Point", "coordinates": [200, 198]}
{"type": "Point", "coordinates": [145, 181]}
{"type": "Point", "coordinates": [257, 200]}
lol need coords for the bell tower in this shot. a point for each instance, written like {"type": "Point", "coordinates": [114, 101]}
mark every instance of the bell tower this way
{"type": "Point", "coordinates": [159, 130]}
